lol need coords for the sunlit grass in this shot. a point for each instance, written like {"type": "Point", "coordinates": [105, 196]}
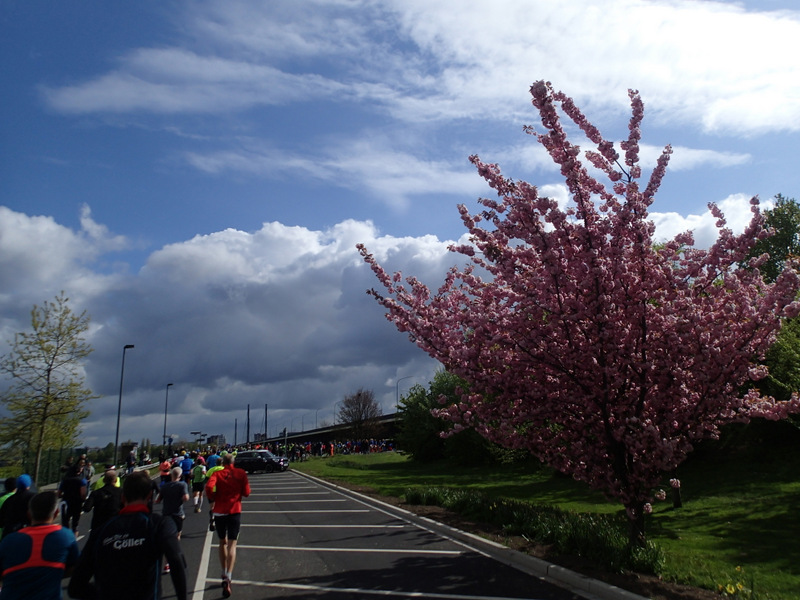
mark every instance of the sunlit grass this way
{"type": "Point", "coordinates": [737, 512]}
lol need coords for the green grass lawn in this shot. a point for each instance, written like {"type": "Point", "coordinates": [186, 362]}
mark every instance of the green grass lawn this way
{"type": "Point", "coordinates": [737, 512]}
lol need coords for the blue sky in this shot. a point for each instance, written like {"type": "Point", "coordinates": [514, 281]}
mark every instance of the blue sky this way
{"type": "Point", "coordinates": [196, 175]}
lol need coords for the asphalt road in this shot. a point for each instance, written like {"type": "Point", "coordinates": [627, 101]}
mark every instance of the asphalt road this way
{"type": "Point", "coordinates": [302, 538]}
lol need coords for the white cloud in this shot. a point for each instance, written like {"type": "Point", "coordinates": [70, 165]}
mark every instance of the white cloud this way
{"type": "Point", "coordinates": [176, 80]}
{"type": "Point", "coordinates": [685, 159]}
{"type": "Point", "coordinates": [736, 209]}
{"type": "Point", "coordinates": [102, 240]}
{"type": "Point", "coordinates": [391, 176]}
{"type": "Point", "coordinates": [687, 58]}
{"type": "Point", "coordinates": [712, 64]}
{"type": "Point", "coordinates": [40, 257]}
{"type": "Point", "coordinates": [232, 318]}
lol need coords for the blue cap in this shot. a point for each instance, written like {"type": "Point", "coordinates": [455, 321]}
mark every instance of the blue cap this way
{"type": "Point", "coordinates": [24, 481]}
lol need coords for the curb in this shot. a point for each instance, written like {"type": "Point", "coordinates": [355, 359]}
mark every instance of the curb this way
{"type": "Point", "coordinates": [592, 589]}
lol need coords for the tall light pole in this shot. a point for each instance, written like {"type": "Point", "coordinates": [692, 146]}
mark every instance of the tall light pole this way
{"type": "Point", "coordinates": [397, 391]}
{"type": "Point", "coordinates": [166, 403]}
{"type": "Point", "coordinates": [119, 406]}
{"type": "Point", "coordinates": [334, 410]}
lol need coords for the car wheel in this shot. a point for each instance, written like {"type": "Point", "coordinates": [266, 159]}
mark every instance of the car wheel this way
{"type": "Point", "coordinates": [269, 468]}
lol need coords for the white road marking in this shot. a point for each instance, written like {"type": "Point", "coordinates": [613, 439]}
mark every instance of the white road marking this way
{"type": "Point", "coordinates": [304, 512]}
{"type": "Point", "coordinates": [361, 592]}
{"type": "Point", "coordinates": [202, 568]}
{"type": "Point", "coordinates": [292, 526]}
{"type": "Point", "coordinates": [351, 550]}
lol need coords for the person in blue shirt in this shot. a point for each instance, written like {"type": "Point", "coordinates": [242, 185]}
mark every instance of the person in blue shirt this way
{"type": "Point", "coordinates": [34, 560]}
{"type": "Point", "coordinates": [186, 465]}
{"type": "Point", "coordinates": [212, 460]}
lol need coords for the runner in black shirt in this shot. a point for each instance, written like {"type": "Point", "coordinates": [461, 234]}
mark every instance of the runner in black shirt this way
{"type": "Point", "coordinates": [124, 556]}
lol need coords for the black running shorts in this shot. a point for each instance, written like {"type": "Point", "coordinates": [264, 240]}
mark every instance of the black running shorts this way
{"type": "Point", "coordinates": [228, 526]}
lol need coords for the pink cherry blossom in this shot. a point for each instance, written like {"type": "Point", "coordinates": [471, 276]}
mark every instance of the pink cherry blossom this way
{"type": "Point", "coordinates": [606, 355]}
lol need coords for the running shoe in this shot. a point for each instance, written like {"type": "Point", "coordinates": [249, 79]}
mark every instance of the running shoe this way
{"type": "Point", "coordinates": [226, 588]}
{"type": "Point", "coordinates": [166, 567]}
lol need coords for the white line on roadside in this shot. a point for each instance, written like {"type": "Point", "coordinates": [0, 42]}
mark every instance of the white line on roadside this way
{"type": "Point", "coordinates": [304, 512]}
{"type": "Point", "coordinates": [294, 526]}
{"type": "Point", "coordinates": [202, 568]}
{"type": "Point", "coordinates": [351, 550]}
{"type": "Point", "coordinates": [359, 592]}
{"type": "Point", "coordinates": [297, 501]}
{"type": "Point", "coordinates": [294, 494]}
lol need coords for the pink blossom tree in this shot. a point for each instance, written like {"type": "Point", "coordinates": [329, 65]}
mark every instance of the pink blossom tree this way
{"type": "Point", "coordinates": [604, 353]}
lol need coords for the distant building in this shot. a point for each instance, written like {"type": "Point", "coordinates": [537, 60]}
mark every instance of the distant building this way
{"type": "Point", "coordinates": [216, 440]}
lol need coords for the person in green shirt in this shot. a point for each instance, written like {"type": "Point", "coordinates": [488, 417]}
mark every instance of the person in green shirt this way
{"type": "Point", "coordinates": [11, 487]}
{"type": "Point", "coordinates": [100, 482]}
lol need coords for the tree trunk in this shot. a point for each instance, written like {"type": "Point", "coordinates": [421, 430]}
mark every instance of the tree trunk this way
{"type": "Point", "coordinates": [37, 464]}
{"type": "Point", "coordinates": [677, 501]}
{"type": "Point", "coordinates": [39, 445]}
{"type": "Point", "coordinates": [636, 537]}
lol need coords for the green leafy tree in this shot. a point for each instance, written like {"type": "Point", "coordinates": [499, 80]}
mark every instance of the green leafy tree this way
{"type": "Point", "coordinates": [419, 433]}
{"type": "Point", "coordinates": [784, 243]}
{"type": "Point", "coordinates": [783, 361]}
{"type": "Point", "coordinates": [45, 401]}
{"type": "Point", "coordinates": [783, 357]}
{"type": "Point", "coordinates": [427, 437]}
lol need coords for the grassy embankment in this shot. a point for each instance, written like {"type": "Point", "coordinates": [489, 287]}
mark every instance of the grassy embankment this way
{"type": "Point", "coordinates": [739, 512]}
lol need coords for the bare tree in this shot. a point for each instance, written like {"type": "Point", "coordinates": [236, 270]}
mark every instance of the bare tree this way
{"type": "Point", "coordinates": [361, 411]}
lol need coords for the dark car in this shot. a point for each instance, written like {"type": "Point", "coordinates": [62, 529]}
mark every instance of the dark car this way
{"type": "Point", "coordinates": [261, 460]}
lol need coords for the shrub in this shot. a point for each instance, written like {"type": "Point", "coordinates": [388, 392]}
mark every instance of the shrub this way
{"type": "Point", "coordinates": [601, 539]}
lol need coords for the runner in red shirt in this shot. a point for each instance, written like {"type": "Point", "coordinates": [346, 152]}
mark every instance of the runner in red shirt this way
{"type": "Point", "coordinates": [225, 490]}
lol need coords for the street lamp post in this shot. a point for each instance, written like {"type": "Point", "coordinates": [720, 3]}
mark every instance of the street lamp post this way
{"type": "Point", "coordinates": [334, 410]}
{"type": "Point", "coordinates": [119, 405]}
{"type": "Point", "coordinates": [397, 391]}
{"type": "Point", "coordinates": [166, 403]}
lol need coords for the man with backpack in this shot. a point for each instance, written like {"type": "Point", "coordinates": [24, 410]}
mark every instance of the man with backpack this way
{"type": "Point", "coordinates": [124, 555]}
